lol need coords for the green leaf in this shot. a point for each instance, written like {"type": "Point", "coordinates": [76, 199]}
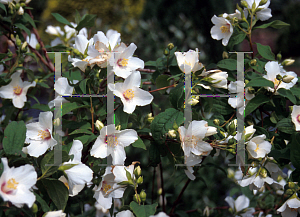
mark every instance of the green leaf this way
{"type": "Point", "coordinates": [78, 131]}
{"type": "Point", "coordinates": [265, 51]}
{"type": "Point", "coordinates": [3, 7]}
{"type": "Point", "coordinates": [28, 18]}
{"type": "Point", "coordinates": [285, 125]}
{"type": "Point", "coordinates": [163, 122]}
{"type": "Point", "coordinates": [49, 159]}
{"type": "Point", "coordinates": [236, 39]}
{"type": "Point", "coordinates": [82, 86]}
{"type": "Point", "coordinates": [88, 20]}
{"type": "Point", "coordinates": [260, 82]}
{"type": "Point", "coordinates": [121, 118]}
{"type": "Point", "coordinates": [150, 63]}
{"type": "Point", "coordinates": [276, 24]}
{"type": "Point", "coordinates": [288, 94]}
{"type": "Point", "coordinates": [177, 96]}
{"type": "Point", "coordinates": [162, 81]}
{"type": "Point", "coordinates": [295, 91]}
{"type": "Point", "coordinates": [139, 144]}
{"type": "Point", "coordinates": [154, 154]}
{"type": "Point", "coordinates": [41, 107]}
{"type": "Point", "coordinates": [84, 139]}
{"type": "Point", "coordinates": [229, 64]}
{"type": "Point", "coordinates": [61, 19]}
{"type": "Point", "coordinates": [255, 102]}
{"type": "Point", "coordinates": [14, 138]}
{"type": "Point", "coordinates": [295, 150]}
{"type": "Point", "coordinates": [283, 153]}
{"type": "Point", "coordinates": [143, 210]}
{"type": "Point", "coordinates": [67, 107]}
{"type": "Point", "coordinates": [43, 203]}
{"type": "Point", "coordinates": [21, 26]}
{"type": "Point", "coordinates": [57, 192]}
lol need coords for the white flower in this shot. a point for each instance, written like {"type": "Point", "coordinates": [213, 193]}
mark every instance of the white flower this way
{"type": "Point", "coordinates": [291, 207]}
{"type": "Point", "coordinates": [32, 41]}
{"type": "Point", "coordinates": [112, 142]}
{"type": "Point", "coordinates": [222, 29]}
{"type": "Point", "coordinates": [16, 182]}
{"type": "Point", "coordinates": [296, 117]}
{"type": "Point", "coordinates": [240, 206]}
{"type": "Point", "coordinates": [274, 170]}
{"type": "Point", "coordinates": [258, 147]}
{"type": "Point", "coordinates": [125, 213]}
{"type": "Point", "coordinates": [130, 93]}
{"type": "Point", "coordinates": [191, 161]}
{"type": "Point", "coordinates": [219, 79]}
{"type": "Point", "coordinates": [58, 213]}
{"type": "Point", "coordinates": [80, 174]}
{"type": "Point", "coordinates": [273, 69]}
{"type": "Point", "coordinates": [39, 135]}
{"type": "Point", "coordinates": [16, 90]}
{"type": "Point", "coordinates": [188, 61]}
{"type": "Point", "coordinates": [63, 88]}
{"type": "Point", "coordinates": [264, 13]}
{"type": "Point", "coordinates": [20, 11]}
{"type": "Point", "coordinates": [5, 1]}
{"type": "Point", "coordinates": [123, 62]}
{"type": "Point", "coordinates": [160, 214]}
{"type": "Point", "coordinates": [261, 214]}
{"type": "Point", "coordinates": [54, 30]}
{"type": "Point", "coordinates": [191, 139]}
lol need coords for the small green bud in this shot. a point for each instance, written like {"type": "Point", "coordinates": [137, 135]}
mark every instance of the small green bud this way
{"type": "Point", "coordinates": [166, 52]}
{"type": "Point", "coordinates": [253, 6]}
{"type": "Point", "coordinates": [289, 192]}
{"type": "Point", "coordinates": [254, 164]}
{"type": "Point", "coordinates": [172, 134]}
{"type": "Point", "coordinates": [246, 82]}
{"type": "Point", "coordinates": [279, 56]}
{"type": "Point", "coordinates": [251, 90]}
{"type": "Point", "coordinates": [17, 6]}
{"type": "Point", "coordinates": [23, 4]}
{"type": "Point", "coordinates": [24, 47]}
{"type": "Point", "coordinates": [230, 210]}
{"type": "Point", "coordinates": [129, 125]}
{"type": "Point", "coordinates": [232, 126]}
{"type": "Point", "coordinates": [175, 126]}
{"type": "Point", "coordinates": [159, 192]}
{"type": "Point", "coordinates": [263, 2]}
{"type": "Point", "coordinates": [137, 198]}
{"type": "Point", "coordinates": [279, 77]}
{"type": "Point", "coordinates": [253, 62]}
{"type": "Point", "coordinates": [234, 133]}
{"type": "Point", "coordinates": [170, 46]}
{"type": "Point", "coordinates": [143, 196]}
{"type": "Point", "coordinates": [231, 150]}
{"type": "Point", "coordinates": [216, 122]}
{"type": "Point", "coordinates": [287, 62]}
{"type": "Point", "coordinates": [225, 55]}
{"type": "Point", "coordinates": [150, 118]}
{"type": "Point", "coordinates": [18, 42]}
{"type": "Point", "coordinates": [66, 167]}
{"type": "Point", "coordinates": [99, 125]}
{"type": "Point", "coordinates": [287, 78]}
{"type": "Point", "coordinates": [263, 173]}
{"type": "Point", "coordinates": [292, 185]}
{"type": "Point", "coordinates": [244, 4]}
{"type": "Point", "coordinates": [34, 208]}
{"type": "Point", "coordinates": [239, 8]}
{"type": "Point", "coordinates": [137, 171]}
{"type": "Point", "coordinates": [140, 180]}
{"type": "Point", "coordinates": [231, 141]}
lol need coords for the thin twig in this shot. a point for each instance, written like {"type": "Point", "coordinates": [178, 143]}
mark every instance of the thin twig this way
{"type": "Point", "coordinates": [173, 85]}
{"type": "Point", "coordinates": [146, 70]}
{"type": "Point", "coordinates": [179, 196]}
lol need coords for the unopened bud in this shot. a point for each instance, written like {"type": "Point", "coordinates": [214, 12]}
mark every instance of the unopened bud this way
{"type": "Point", "coordinates": [251, 90]}
{"type": "Point", "coordinates": [225, 55]}
{"type": "Point", "coordinates": [143, 196]}
{"type": "Point", "coordinates": [253, 62]}
{"type": "Point", "coordinates": [263, 173]}
{"type": "Point", "coordinates": [166, 52]}
{"type": "Point", "coordinates": [244, 4]}
{"type": "Point", "coordinates": [24, 47]}
{"type": "Point", "coordinates": [231, 150]}
{"type": "Point", "coordinates": [231, 141]}
{"type": "Point", "coordinates": [172, 133]}
{"type": "Point", "coordinates": [118, 127]}
{"type": "Point", "coordinates": [289, 192]}
{"type": "Point", "coordinates": [292, 185]}
{"type": "Point", "coordinates": [232, 126]}
{"type": "Point", "coordinates": [193, 101]}
{"type": "Point", "coordinates": [279, 77]}
{"type": "Point", "coordinates": [150, 118]}
{"type": "Point", "coordinates": [20, 11]}
{"type": "Point", "coordinates": [17, 6]}
{"type": "Point", "coordinates": [254, 164]}
{"type": "Point", "coordinates": [34, 208]}
{"type": "Point", "coordinates": [216, 122]}
{"type": "Point", "coordinates": [137, 171]}
{"type": "Point", "coordinates": [263, 2]}
{"type": "Point", "coordinates": [253, 6]}
{"type": "Point", "coordinates": [99, 125]}
{"type": "Point", "coordinates": [137, 198]}
{"type": "Point", "coordinates": [18, 42]}
{"type": "Point", "coordinates": [287, 62]}
{"type": "Point", "coordinates": [159, 192]}
{"type": "Point", "coordinates": [23, 4]}
{"type": "Point", "coordinates": [287, 78]}
{"type": "Point", "coordinates": [279, 56]}
{"type": "Point", "coordinates": [239, 8]}
{"type": "Point", "coordinates": [206, 211]}
{"type": "Point", "coordinates": [140, 180]}
{"type": "Point", "coordinates": [175, 126]}
{"type": "Point", "coordinates": [170, 46]}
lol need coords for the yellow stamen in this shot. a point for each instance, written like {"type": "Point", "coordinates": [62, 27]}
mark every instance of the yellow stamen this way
{"type": "Point", "coordinates": [190, 141]}
{"type": "Point", "coordinates": [44, 134]}
{"type": "Point", "coordinates": [276, 82]}
{"type": "Point", "coordinates": [12, 184]}
{"type": "Point", "coordinates": [112, 141]}
{"type": "Point", "coordinates": [225, 28]}
{"type": "Point", "coordinates": [298, 118]}
{"type": "Point", "coordinates": [128, 94]}
{"type": "Point", "coordinates": [17, 90]}
{"type": "Point", "coordinates": [106, 188]}
{"type": "Point", "coordinates": [123, 62]}
{"type": "Point", "coordinates": [257, 148]}
{"type": "Point", "coordinates": [67, 185]}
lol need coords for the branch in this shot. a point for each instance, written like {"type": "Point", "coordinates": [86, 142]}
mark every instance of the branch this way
{"type": "Point", "coordinates": [179, 196]}
{"type": "Point", "coordinates": [146, 70]}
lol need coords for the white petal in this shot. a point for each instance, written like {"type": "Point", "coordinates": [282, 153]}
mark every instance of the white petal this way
{"type": "Point", "coordinates": [81, 43]}
{"type": "Point", "coordinates": [141, 97]}
{"type": "Point", "coordinates": [230, 201]}
{"type": "Point", "coordinates": [79, 174]}
{"type": "Point", "coordinates": [242, 202]}
{"type": "Point", "coordinates": [76, 150]}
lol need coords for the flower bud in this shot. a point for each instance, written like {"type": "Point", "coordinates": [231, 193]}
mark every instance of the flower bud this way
{"type": "Point", "coordinates": [175, 126]}
{"type": "Point", "coordinates": [251, 90]}
{"type": "Point", "coordinates": [289, 192]}
{"type": "Point", "coordinates": [150, 118]}
{"type": "Point", "coordinates": [254, 164]}
{"type": "Point", "coordinates": [140, 180]}
{"type": "Point", "coordinates": [225, 55]}
{"type": "Point", "coordinates": [253, 62]}
{"type": "Point", "coordinates": [137, 171]}
{"type": "Point", "coordinates": [17, 6]}
{"type": "Point", "coordinates": [99, 125]}
{"type": "Point", "coordinates": [232, 126]}
{"type": "Point", "coordinates": [287, 62]}
{"type": "Point", "coordinates": [143, 196]}
{"type": "Point", "coordinates": [170, 46]}
{"type": "Point", "coordinates": [263, 2]}
{"type": "Point", "coordinates": [292, 185]}
{"type": "Point", "coordinates": [20, 11]}
{"type": "Point", "coordinates": [24, 4]}
{"type": "Point", "coordinates": [216, 122]}
{"type": "Point", "coordinates": [239, 8]}
{"type": "Point", "coordinates": [231, 141]}
{"type": "Point", "coordinates": [18, 42]}
{"type": "Point", "coordinates": [172, 134]}
{"type": "Point", "coordinates": [159, 192]}
{"type": "Point", "coordinates": [66, 167]}
{"type": "Point", "coordinates": [279, 56]}
{"type": "Point", "coordinates": [287, 78]}
{"type": "Point", "coordinates": [24, 47]}
{"type": "Point", "coordinates": [231, 150]}
{"type": "Point", "coordinates": [118, 127]}
{"type": "Point", "coordinates": [193, 101]}
{"type": "Point", "coordinates": [253, 6]}
{"type": "Point", "coordinates": [137, 198]}
{"type": "Point", "coordinates": [279, 77]}
{"type": "Point", "coordinates": [263, 173]}
{"type": "Point", "coordinates": [166, 52]}
{"type": "Point", "coordinates": [34, 208]}
{"type": "Point", "coordinates": [244, 3]}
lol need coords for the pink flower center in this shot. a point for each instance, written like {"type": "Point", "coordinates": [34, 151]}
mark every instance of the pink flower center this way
{"type": "Point", "coordinates": [122, 62]}
{"type": "Point", "coordinates": [44, 134]}
{"type": "Point", "coordinates": [128, 94]}
{"type": "Point", "coordinates": [298, 118]}
{"type": "Point", "coordinates": [105, 187]}
{"type": "Point", "coordinates": [17, 90]}
{"type": "Point", "coordinates": [9, 186]}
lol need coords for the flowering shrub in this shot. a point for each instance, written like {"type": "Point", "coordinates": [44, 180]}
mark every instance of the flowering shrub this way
{"type": "Point", "coordinates": [88, 153]}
